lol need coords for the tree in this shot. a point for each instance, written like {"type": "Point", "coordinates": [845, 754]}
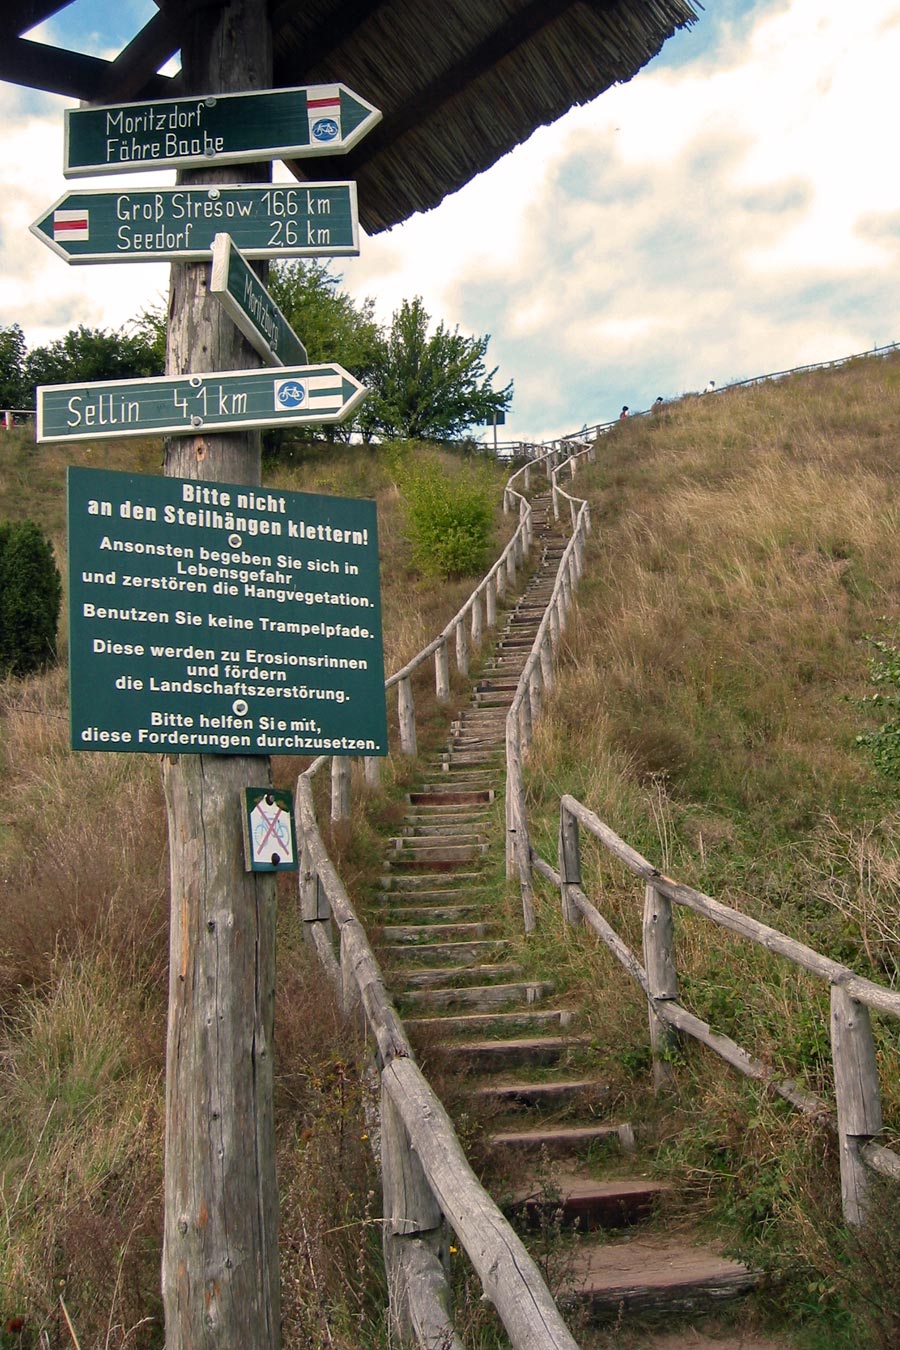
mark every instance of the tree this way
{"type": "Point", "coordinates": [30, 596]}
{"type": "Point", "coordinates": [431, 388]}
{"type": "Point", "coordinates": [12, 361]}
{"type": "Point", "coordinates": [87, 354]}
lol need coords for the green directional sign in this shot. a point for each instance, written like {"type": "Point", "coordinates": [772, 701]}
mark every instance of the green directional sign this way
{"type": "Point", "coordinates": [215, 618]}
{"type": "Point", "coordinates": [207, 129]}
{"type": "Point", "coordinates": [191, 405]}
{"type": "Point", "coordinates": [240, 291]}
{"type": "Point", "coordinates": [180, 223]}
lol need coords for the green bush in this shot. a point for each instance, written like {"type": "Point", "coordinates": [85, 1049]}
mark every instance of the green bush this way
{"type": "Point", "coordinates": [449, 519]}
{"type": "Point", "coordinates": [30, 597]}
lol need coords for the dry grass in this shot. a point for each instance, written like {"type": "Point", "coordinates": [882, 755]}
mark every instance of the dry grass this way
{"type": "Point", "coordinates": [744, 545]}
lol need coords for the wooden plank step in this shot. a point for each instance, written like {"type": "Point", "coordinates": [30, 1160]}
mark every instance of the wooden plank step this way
{"type": "Point", "coordinates": [447, 953]}
{"type": "Point", "coordinates": [533, 1020]}
{"type": "Point", "coordinates": [481, 996]}
{"type": "Point", "coordinates": [456, 977]}
{"type": "Point", "coordinates": [437, 932]}
{"type": "Point", "coordinates": [506, 1054]}
{"type": "Point", "coordinates": [434, 859]}
{"type": "Point", "coordinates": [414, 883]}
{"type": "Point", "coordinates": [651, 1276]}
{"type": "Point", "coordinates": [575, 1199]}
{"type": "Point", "coordinates": [555, 1140]}
{"type": "Point", "coordinates": [436, 840]}
{"type": "Point", "coordinates": [551, 1095]}
{"type": "Point", "coordinates": [421, 914]}
{"type": "Point", "coordinates": [441, 829]}
{"type": "Point", "coordinates": [451, 796]}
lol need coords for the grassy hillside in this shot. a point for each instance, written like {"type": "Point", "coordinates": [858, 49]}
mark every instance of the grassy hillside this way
{"type": "Point", "coordinates": [745, 544]}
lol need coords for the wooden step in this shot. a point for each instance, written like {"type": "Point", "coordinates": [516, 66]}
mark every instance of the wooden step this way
{"type": "Point", "coordinates": [446, 796]}
{"type": "Point", "coordinates": [575, 1199]}
{"type": "Point", "coordinates": [448, 953]}
{"type": "Point", "coordinates": [480, 1055]}
{"type": "Point", "coordinates": [651, 1277]}
{"type": "Point", "coordinates": [440, 914]}
{"type": "Point", "coordinates": [477, 995]}
{"type": "Point", "coordinates": [415, 883]}
{"type": "Point", "coordinates": [525, 1020]}
{"type": "Point", "coordinates": [419, 933]}
{"type": "Point", "coordinates": [552, 1095]}
{"type": "Point", "coordinates": [556, 1140]}
{"type": "Point", "coordinates": [441, 977]}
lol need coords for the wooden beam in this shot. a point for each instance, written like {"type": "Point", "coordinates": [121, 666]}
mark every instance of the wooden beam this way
{"type": "Point", "coordinates": [319, 45]}
{"type": "Point", "coordinates": [139, 62]}
{"type": "Point", "coordinates": [58, 71]}
{"type": "Point", "coordinates": [21, 15]}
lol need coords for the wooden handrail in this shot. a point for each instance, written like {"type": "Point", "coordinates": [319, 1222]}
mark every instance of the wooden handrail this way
{"type": "Point", "coordinates": [856, 1082]}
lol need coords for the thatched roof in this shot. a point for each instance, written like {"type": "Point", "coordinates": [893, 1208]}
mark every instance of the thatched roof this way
{"type": "Point", "coordinates": [459, 82]}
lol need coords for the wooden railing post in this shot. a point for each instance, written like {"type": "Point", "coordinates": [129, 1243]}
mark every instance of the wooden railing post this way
{"type": "Point", "coordinates": [546, 654]}
{"type": "Point", "coordinates": [569, 864]}
{"type": "Point", "coordinates": [442, 672]}
{"type": "Point", "coordinates": [340, 787]}
{"type": "Point", "coordinates": [477, 621]}
{"type": "Point", "coordinates": [511, 565]}
{"type": "Point", "coordinates": [411, 1218]}
{"type": "Point", "coordinates": [462, 648]}
{"type": "Point", "coordinates": [858, 1096]}
{"type": "Point", "coordinates": [662, 978]}
{"type": "Point", "coordinates": [490, 598]}
{"type": "Point", "coordinates": [406, 715]}
{"type": "Point", "coordinates": [372, 769]}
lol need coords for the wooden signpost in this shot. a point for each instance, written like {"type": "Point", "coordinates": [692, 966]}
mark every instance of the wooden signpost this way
{"type": "Point", "coordinates": [220, 1277]}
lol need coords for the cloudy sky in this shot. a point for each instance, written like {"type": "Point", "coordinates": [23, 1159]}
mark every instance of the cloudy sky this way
{"type": "Point", "coordinates": [731, 211]}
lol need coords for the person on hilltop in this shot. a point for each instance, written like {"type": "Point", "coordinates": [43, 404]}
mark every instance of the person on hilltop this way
{"type": "Point", "coordinates": [710, 388]}
{"type": "Point", "coordinates": [624, 413]}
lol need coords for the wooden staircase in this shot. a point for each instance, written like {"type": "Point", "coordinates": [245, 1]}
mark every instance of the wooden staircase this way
{"type": "Point", "coordinates": [509, 1048]}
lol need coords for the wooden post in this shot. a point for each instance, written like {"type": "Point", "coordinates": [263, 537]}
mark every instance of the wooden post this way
{"type": "Point", "coordinates": [858, 1096]}
{"type": "Point", "coordinates": [372, 770]}
{"type": "Point", "coordinates": [442, 672]}
{"type": "Point", "coordinates": [662, 978]}
{"type": "Point", "coordinates": [462, 648]}
{"type": "Point", "coordinates": [406, 714]}
{"type": "Point", "coordinates": [340, 787]}
{"type": "Point", "coordinates": [569, 865]}
{"type": "Point", "coordinates": [547, 661]}
{"type": "Point", "coordinates": [491, 603]}
{"type": "Point", "coordinates": [477, 621]}
{"type": "Point", "coordinates": [511, 565]}
{"type": "Point", "coordinates": [220, 1258]}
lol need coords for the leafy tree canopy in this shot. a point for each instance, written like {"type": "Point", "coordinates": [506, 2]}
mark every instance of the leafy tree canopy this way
{"type": "Point", "coordinates": [86, 354]}
{"type": "Point", "coordinates": [431, 387]}
{"type": "Point", "coordinates": [12, 368]}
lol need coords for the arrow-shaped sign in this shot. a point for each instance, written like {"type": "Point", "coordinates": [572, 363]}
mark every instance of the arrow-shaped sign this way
{"type": "Point", "coordinates": [191, 405]}
{"type": "Point", "coordinates": [180, 223]}
{"type": "Point", "coordinates": [325, 119]}
{"type": "Point", "coordinates": [240, 291]}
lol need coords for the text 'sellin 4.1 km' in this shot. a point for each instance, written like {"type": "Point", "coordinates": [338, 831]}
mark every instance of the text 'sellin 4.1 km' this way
{"type": "Point", "coordinates": [186, 405]}
{"type": "Point", "coordinates": [326, 119]}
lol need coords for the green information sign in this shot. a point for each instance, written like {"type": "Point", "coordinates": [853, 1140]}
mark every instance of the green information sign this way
{"type": "Point", "coordinates": [172, 133]}
{"type": "Point", "coordinates": [239, 290]}
{"type": "Point", "coordinates": [188, 405]}
{"type": "Point", "coordinates": [155, 224]}
{"type": "Point", "coordinates": [222, 619]}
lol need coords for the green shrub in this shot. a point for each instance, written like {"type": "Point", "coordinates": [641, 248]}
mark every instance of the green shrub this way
{"type": "Point", "coordinates": [449, 520]}
{"type": "Point", "coordinates": [30, 596]}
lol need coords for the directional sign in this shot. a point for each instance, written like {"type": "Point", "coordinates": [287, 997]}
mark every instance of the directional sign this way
{"type": "Point", "coordinates": [171, 133]}
{"type": "Point", "coordinates": [180, 223]}
{"type": "Point", "coordinates": [240, 291]}
{"type": "Point", "coordinates": [190, 405]}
